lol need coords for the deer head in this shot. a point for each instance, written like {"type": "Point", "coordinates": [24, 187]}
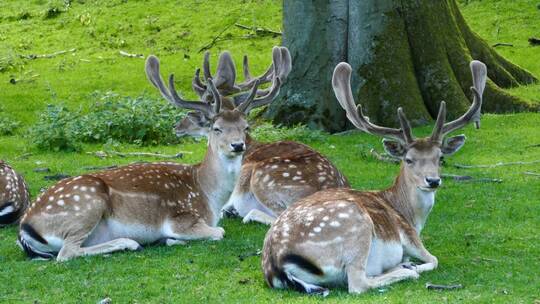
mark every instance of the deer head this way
{"type": "Point", "coordinates": [421, 157]}
{"type": "Point", "coordinates": [232, 93]}
{"type": "Point", "coordinates": [228, 126]}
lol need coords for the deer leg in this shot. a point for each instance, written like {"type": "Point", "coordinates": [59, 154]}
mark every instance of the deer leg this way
{"type": "Point", "coordinates": [259, 216]}
{"type": "Point", "coordinates": [357, 279]}
{"type": "Point", "coordinates": [421, 253]}
{"type": "Point", "coordinates": [198, 231]}
{"type": "Point", "coordinates": [72, 248]}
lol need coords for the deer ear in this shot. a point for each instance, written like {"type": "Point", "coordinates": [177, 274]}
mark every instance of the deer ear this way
{"type": "Point", "coordinates": [452, 144]}
{"type": "Point", "coordinates": [394, 148]}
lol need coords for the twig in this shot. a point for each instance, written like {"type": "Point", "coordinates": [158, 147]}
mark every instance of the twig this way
{"type": "Point", "coordinates": [52, 55]}
{"type": "Point", "coordinates": [383, 158]}
{"type": "Point", "coordinates": [42, 170]}
{"type": "Point", "coordinates": [126, 54]}
{"type": "Point", "coordinates": [215, 39]}
{"type": "Point", "coordinates": [532, 173]}
{"type": "Point", "coordinates": [460, 178]}
{"type": "Point", "coordinates": [347, 132]}
{"type": "Point", "coordinates": [100, 167]}
{"type": "Point", "coordinates": [502, 44]}
{"type": "Point", "coordinates": [23, 156]}
{"type": "Point", "coordinates": [103, 154]}
{"type": "Point", "coordinates": [534, 41]}
{"type": "Point", "coordinates": [443, 287]}
{"type": "Point", "coordinates": [58, 176]}
{"type": "Point", "coordinates": [260, 31]}
{"type": "Point", "coordinates": [499, 164]}
{"type": "Point", "coordinates": [533, 146]}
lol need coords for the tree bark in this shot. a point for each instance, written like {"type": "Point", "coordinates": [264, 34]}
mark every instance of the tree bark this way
{"type": "Point", "coordinates": [412, 53]}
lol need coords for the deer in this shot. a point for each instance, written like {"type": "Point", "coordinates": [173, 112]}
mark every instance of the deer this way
{"type": "Point", "coordinates": [364, 239]}
{"type": "Point", "coordinates": [144, 203]}
{"type": "Point", "coordinates": [14, 195]}
{"type": "Point", "coordinates": [273, 175]}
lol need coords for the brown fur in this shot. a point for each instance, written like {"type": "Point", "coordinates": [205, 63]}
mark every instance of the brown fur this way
{"type": "Point", "coordinates": [13, 195]}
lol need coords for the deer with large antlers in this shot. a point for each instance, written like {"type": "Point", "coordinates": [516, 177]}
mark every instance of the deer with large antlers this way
{"type": "Point", "coordinates": [14, 196]}
{"type": "Point", "coordinates": [273, 175]}
{"type": "Point", "coordinates": [124, 208]}
{"type": "Point", "coordinates": [363, 239]}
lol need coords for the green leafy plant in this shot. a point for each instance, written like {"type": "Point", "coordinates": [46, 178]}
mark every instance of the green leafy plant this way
{"type": "Point", "coordinates": [268, 132]}
{"type": "Point", "coordinates": [138, 120]}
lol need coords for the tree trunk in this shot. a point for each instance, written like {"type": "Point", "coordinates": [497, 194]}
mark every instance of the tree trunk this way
{"type": "Point", "coordinates": [412, 54]}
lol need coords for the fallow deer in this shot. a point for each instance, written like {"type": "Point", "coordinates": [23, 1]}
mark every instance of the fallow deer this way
{"type": "Point", "coordinates": [14, 196]}
{"type": "Point", "coordinates": [363, 239]}
{"type": "Point", "coordinates": [273, 175]}
{"type": "Point", "coordinates": [126, 207]}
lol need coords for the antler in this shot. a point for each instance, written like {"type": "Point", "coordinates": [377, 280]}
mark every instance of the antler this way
{"type": "Point", "coordinates": [226, 74]}
{"type": "Point", "coordinates": [341, 83]}
{"type": "Point", "coordinates": [154, 76]}
{"type": "Point", "coordinates": [441, 129]}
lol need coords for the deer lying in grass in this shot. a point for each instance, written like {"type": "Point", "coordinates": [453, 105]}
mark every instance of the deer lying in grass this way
{"type": "Point", "coordinates": [273, 175]}
{"type": "Point", "coordinates": [14, 196]}
{"type": "Point", "coordinates": [362, 239]}
{"type": "Point", "coordinates": [123, 208]}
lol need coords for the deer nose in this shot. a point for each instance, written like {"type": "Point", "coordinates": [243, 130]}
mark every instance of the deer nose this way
{"type": "Point", "coordinates": [433, 182]}
{"type": "Point", "coordinates": [238, 147]}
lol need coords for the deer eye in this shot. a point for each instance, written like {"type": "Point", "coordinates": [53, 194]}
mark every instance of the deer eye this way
{"type": "Point", "coordinates": [248, 129]}
{"type": "Point", "coordinates": [408, 161]}
{"type": "Point", "coordinates": [217, 130]}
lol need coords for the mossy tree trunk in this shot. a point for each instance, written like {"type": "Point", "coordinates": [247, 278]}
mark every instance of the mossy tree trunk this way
{"type": "Point", "coordinates": [409, 53]}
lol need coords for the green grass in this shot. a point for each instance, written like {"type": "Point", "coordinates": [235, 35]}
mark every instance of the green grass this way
{"type": "Point", "coordinates": [484, 234]}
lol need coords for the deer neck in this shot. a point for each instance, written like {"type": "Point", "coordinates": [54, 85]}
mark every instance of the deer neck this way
{"type": "Point", "coordinates": [412, 203]}
{"type": "Point", "coordinates": [217, 175]}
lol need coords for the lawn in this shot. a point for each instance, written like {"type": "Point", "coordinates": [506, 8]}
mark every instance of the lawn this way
{"type": "Point", "coordinates": [486, 235]}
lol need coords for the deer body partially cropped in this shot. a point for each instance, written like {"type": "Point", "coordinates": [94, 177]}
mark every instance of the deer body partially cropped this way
{"type": "Point", "coordinates": [273, 175]}
{"type": "Point", "coordinates": [14, 196]}
{"type": "Point", "coordinates": [124, 208]}
{"type": "Point", "coordinates": [363, 239]}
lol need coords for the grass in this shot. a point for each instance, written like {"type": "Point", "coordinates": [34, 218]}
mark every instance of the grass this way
{"type": "Point", "coordinates": [485, 235]}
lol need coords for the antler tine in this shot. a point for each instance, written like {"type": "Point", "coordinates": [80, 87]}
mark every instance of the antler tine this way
{"type": "Point", "coordinates": [286, 63]}
{"type": "Point", "coordinates": [341, 83]}
{"type": "Point", "coordinates": [191, 105]}
{"type": "Point", "coordinates": [225, 74]}
{"type": "Point", "coordinates": [197, 85]}
{"type": "Point", "coordinates": [436, 134]}
{"type": "Point", "coordinates": [479, 76]}
{"type": "Point", "coordinates": [264, 78]}
{"type": "Point", "coordinates": [405, 126]}
{"type": "Point", "coordinates": [216, 96]}
{"type": "Point", "coordinates": [245, 69]}
{"type": "Point", "coordinates": [244, 106]}
{"type": "Point", "coordinates": [206, 66]}
{"type": "Point", "coordinates": [153, 74]}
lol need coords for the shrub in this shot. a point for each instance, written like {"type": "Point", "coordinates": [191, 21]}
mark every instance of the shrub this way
{"type": "Point", "coordinates": [137, 120]}
{"type": "Point", "coordinates": [7, 125]}
{"type": "Point", "coordinates": [52, 130]}
{"type": "Point", "coordinates": [268, 132]}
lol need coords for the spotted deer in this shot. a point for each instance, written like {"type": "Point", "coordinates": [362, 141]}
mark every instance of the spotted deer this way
{"type": "Point", "coordinates": [14, 196]}
{"type": "Point", "coordinates": [139, 204]}
{"type": "Point", "coordinates": [363, 239]}
{"type": "Point", "coordinates": [273, 175]}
